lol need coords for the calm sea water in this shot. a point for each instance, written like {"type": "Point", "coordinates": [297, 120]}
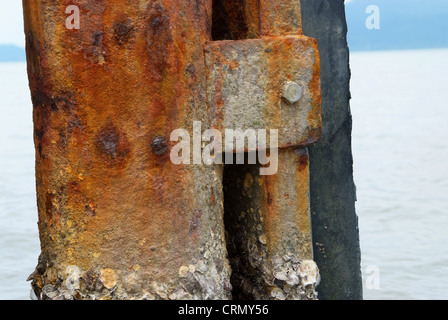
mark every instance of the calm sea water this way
{"type": "Point", "coordinates": [400, 145]}
{"type": "Point", "coordinates": [19, 240]}
{"type": "Point", "coordinates": [400, 150]}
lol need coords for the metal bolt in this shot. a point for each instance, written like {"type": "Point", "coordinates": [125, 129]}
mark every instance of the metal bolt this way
{"type": "Point", "coordinates": [292, 92]}
{"type": "Point", "coordinates": [160, 146]}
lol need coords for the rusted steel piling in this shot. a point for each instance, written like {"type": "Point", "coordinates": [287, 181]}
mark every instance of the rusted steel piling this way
{"type": "Point", "coordinates": [119, 220]}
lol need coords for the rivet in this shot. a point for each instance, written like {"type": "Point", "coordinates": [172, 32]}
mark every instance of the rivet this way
{"type": "Point", "coordinates": [160, 145]}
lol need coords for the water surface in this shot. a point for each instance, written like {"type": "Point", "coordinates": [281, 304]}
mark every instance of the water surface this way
{"type": "Point", "coordinates": [19, 240]}
{"type": "Point", "coordinates": [400, 146]}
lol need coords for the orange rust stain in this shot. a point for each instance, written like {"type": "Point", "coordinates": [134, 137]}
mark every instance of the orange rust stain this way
{"type": "Point", "coordinates": [295, 211]}
{"type": "Point", "coordinates": [270, 211]}
{"type": "Point", "coordinates": [281, 17]}
{"type": "Point", "coordinates": [303, 221]}
{"type": "Point", "coordinates": [303, 161]}
{"type": "Point", "coordinates": [315, 89]}
{"type": "Point", "coordinates": [213, 200]}
{"type": "Point", "coordinates": [273, 97]}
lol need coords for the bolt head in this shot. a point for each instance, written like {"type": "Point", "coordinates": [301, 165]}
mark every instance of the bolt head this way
{"type": "Point", "coordinates": [160, 146]}
{"type": "Point", "coordinates": [292, 92]}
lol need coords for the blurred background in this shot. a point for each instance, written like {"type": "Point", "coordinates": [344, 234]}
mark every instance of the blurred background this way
{"type": "Point", "coordinates": [399, 63]}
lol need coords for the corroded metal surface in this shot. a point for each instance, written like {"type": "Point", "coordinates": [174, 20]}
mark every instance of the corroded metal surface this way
{"type": "Point", "coordinates": [245, 82]}
{"type": "Point", "coordinates": [280, 18]}
{"type": "Point", "coordinates": [269, 231]}
{"type": "Point", "coordinates": [111, 204]}
{"type": "Point", "coordinates": [267, 218]}
{"type": "Point", "coordinates": [117, 218]}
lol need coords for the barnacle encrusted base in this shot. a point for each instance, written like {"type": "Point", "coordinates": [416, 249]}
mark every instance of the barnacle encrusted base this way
{"type": "Point", "coordinates": [201, 281]}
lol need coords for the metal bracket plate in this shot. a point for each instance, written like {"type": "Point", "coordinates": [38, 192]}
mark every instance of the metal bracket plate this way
{"type": "Point", "coordinates": [245, 80]}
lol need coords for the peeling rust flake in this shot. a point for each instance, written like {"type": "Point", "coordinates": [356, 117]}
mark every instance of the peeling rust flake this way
{"type": "Point", "coordinates": [158, 39]}
{"type": "Point", "coordinates": [123, 31]}
{"type": "Point", "coordinates": [112, 144]}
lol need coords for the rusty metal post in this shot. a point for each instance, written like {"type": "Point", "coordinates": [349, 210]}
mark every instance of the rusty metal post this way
{"type": "Point", "coordinates": [268, 217]}
{"type": "Point", "coordinates": [118, 219]}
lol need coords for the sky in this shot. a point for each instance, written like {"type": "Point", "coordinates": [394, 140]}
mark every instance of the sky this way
{"type": "Point", "coordinates": [405, 24]}
{"type": "Point", "coordinates": [11, 23]}
{"type": "Point", "coordinates": [402, 24]}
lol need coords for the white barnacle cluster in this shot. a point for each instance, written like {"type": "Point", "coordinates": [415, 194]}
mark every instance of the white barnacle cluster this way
{"type": "Point", "coordinates": [207, 279]}
{"type": "Point", "coordinates": [68, 289]}
{"type": "Point", "coordinates": [294, 279]}
{"type": "Point", "coordinates": [309, 273]}
{"type": "Point", "coordinates": [73, 283]}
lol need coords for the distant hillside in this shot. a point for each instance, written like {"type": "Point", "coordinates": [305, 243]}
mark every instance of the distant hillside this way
{"type": "Point", "coordinates": [405, 24]}
{"type": "Point", "coordinates": [11, 53]}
